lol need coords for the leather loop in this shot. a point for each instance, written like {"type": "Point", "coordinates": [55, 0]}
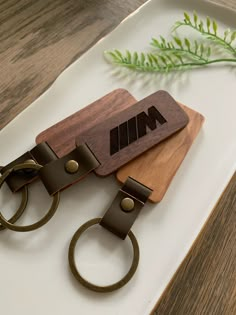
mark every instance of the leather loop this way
{"type": "Point", "coordinates": [41, 154]}
{"type": "Point", "coordinates": [56, 177]}
{"type": "Point", "coordinates": [119, 220]}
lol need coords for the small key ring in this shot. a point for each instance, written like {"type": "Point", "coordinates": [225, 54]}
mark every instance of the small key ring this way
{"type": "Point", "coordinates": [83, 281]}
{"type": "Point", "coordinates": [45, 219]}
{"type": "Point", "coordinates": [23, 204]}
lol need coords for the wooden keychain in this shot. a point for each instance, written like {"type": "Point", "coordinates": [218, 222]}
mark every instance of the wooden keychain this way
{"type": "Point", "coordinates": [119, 142]}
{"type": "Point", "coordinates": [145, 178]}
{"type": "Point", "coordinates": [84, 143]}
{"type": "Point", "coordinates": [57, 141]}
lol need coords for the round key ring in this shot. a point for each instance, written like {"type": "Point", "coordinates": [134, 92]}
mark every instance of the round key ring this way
{"type": "Point", "coordinates": [41, 222]}
{"type": "Point", "coordinates": [23, 204]}
{"type": "Point", "coordinates": [89, 285]}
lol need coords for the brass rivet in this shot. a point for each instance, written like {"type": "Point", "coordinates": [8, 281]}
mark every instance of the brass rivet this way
{"type": "Point", "coordinates": [72, 166]}
{"type": "Point", "coordinates": [30, 161]}
{"type": "Point", "coordinates": [127, 204]}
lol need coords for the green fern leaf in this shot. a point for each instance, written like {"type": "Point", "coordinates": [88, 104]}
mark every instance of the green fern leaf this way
{"type": "Point", "coordinates": [208, 24]}
{"type": "Point", "coordinates": [215, 27]}
{"type": "Point", "coordinates": [163, 41]}
{"type": "Point", "coordinates": [195, 18]}
{"type": "Point", "coordinates": [226, 33]}
{"type": "Point", "coordinates": [135, 57]}
{"type": "Point", "coordinates": [150, 59]}
{"type": "Point", "coordinates": [142, 59]}
{"type": "Point", "coordinates": [201, 27]}
{"type": "Point", "coordinates": [128, 56]}
{"type": "Point", "coordinates": [170, 59]}
{"type": "Point", "coordinates": [154, 58]}
{"type": "Point", "coordinates": [119, 54]}
{"type": "Point", "coordinates": [187, 44]}
{"type": "Point", "coordinates": [233, 37]}
{"type": "Point", "coordinates": [178, 41]}
{"type": "Point", "coordinates": [155, 42]}
{"type": "Point", "coordinates": [187, 17]}
{"type": "Point", "coordinates": [113, 55]}
{"type": "Point", "coordinates": [180, 59]}
{"type": "Point", "coordinates": [208, 52]}
{"type": "Point", "coordinates": [201, 49]}
{"type": "Point", "coordinates": [163, 59]}
{"type": "Point", "coordinates": [196, 46]}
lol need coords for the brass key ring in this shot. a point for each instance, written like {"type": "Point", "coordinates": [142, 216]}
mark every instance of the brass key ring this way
{"type": "Point", "coordinates": [23, 204]}
{"type": "Point", "coordinates": [45, 219]}
{"type": "Point", "coordinates": [83, 281]}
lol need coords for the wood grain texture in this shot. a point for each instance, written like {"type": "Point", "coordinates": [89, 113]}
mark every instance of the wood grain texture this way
{"type": "Point", "coordinates": [39, 39]}
{"type": "Point", "coordinates": [150, 128]}
{"type": "Point", "coordinates": [157, 167]}
{"type": "Point", "coordinates": [31, 35]}
{"type": "Point", "coordinates": [61, 136]}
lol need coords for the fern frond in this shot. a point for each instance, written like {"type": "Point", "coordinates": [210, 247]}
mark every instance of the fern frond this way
{"type": "Point", "coordinates": [209, 28]}
{"type": "Point", "coordinates": [194, 51]}
{"type": "Point", "coordinates": [179, 53]}
{"type": "Point", "coordinates": [159, 62]}
{"type": "Point", "coordinates": [153, 62]}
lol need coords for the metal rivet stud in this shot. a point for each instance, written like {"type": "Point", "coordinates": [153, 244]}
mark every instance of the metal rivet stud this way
{"type": "Point", "coordinates": [72, 166]}
{"type": "Point", "coordinates": [127, 204]}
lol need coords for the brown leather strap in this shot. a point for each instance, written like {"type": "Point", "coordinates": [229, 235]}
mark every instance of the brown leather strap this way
{"type": "Point", "coordinates": [41, 154]}
{"type": "Point", "coordinates": [55, 173]}
{"type": "Point", "coordinates": [68, 170]}
{"type": "Point", "coordinates": [125, 208]}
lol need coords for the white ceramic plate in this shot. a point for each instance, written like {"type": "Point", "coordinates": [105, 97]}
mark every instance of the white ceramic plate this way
{"type": "Point", "coordinates": [34, 271]}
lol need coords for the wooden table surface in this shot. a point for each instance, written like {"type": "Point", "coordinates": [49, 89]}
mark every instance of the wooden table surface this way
{"type": "Point", "coordinates": [39, 39]}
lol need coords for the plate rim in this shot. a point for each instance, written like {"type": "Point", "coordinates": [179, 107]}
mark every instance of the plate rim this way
{"type": "Point", "coordinates": [151, 306]}
{"type": "Point", "coordinates": [151, 312]}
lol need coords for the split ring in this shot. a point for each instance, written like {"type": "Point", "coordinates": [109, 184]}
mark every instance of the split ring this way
{"type": "Point", "coordinates": [89, 285]}
{"type": "Point", "coordinates": [23, 204]}
{"type": "Point", "coordinates": [45, 219]}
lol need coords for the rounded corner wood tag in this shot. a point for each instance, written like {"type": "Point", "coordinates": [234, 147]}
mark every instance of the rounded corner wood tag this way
{"type": "Point", "coordinates": [131, 132]}
{"type": "Point", "coordinates": [157, 167]}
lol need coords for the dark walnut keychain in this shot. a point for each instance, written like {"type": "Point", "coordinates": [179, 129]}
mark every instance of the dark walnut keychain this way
{"type": "Point", "coordinates": [114, 133]}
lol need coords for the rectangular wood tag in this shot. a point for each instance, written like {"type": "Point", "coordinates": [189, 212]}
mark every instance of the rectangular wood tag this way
{"type": "Point", "coordinates": [154, 168]}
{"type": "Point", "coordinates": [128, 134]}
{"type": "Point", "coordinates": [61, 136]}
{"type": "Point", "coordinates": [157, 167]}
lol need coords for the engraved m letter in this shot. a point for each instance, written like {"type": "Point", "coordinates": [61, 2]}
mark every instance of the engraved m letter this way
{"type": "Point", "coordinates": [150, 121]}
{"type": "Point", "coordinates": [133, 129]}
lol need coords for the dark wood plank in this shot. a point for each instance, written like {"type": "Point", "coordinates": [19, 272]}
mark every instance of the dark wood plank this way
{"type": "Point", "coordinates": [157, 117]}
{"type": "Point", "coordinates": [39, 39]}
